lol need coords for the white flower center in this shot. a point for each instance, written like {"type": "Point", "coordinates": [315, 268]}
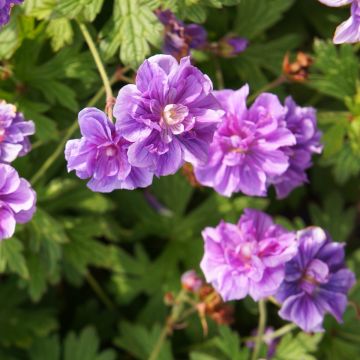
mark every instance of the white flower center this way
{"type": "Point", "coordinates": [174, 114]}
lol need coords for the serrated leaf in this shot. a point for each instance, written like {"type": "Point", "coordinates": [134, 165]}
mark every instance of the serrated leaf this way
{"type": "Point", "coordinates": [85, 347]}
{"type": "Point", "coordinates": [21, 323]}
{"type": "Point", "coordinates": [334, 217]}
{"type": "Point", "coordinates": [299, 347]}
{"type": "Point", "coordinates": [335, 70]}
{"type": "Point", "coordinates": [12, 257]}
{"type": "Point", "coordinates": [253, 17]}
{"type": "Point", "coordinates": [139, 341]}
{"type": "Point", "coordinates": [60, 32]}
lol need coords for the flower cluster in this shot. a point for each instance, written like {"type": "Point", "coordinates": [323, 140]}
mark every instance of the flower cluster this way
{"type": "Point", "coordinates": [17, 199]}
{"type": "Point", "coordinates": [5, 9]}
{"type": "Point", "coordinates": [349, 30]}
{"type": "Point", "coordinates": [180, 38]}
{"type": "Point", "coordinates": [256, 147]}
{"type": "Point", "coordinates": [168, 117]}
{"type": "Point", "coordinates": [304, 270]}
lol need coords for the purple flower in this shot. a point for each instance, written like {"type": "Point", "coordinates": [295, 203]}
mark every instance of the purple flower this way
{"type": "Point", "coordinates": [231, 46]}
{"type": "Point", "coordinates": [247, 258]}
{"type": "Point", "coordinates": [14, 132]}
{"type": "Point", "coordinates": [302, 123]}
{"type": "Point", "coordinates": [101, 154]}
{"type": "Point", "coordinates": [191, 281]}
{"type": "Point", "coordinates": [316, 281]}
{"type": "Point", "coordinates": [349, 30]}
{"type": "Point", "coordinates": [170, 115]}
{"type": "Point", "coordinates": [5, 9]}
{"type": "Point", "coordinates": [180, 38]}
{"type": "Point", "coordinates": [247, 150]}
{"type": "Point", "coordinates": [17, 201]}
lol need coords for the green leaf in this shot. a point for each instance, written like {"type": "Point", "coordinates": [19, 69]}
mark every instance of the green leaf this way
{"type": "Point", "coordinates": [335, 70]}
{"type": "Point", "coordinates": [85, 347]}
{"type": "Point", "coordinates": [60, 32]}
{"type": "Point", "coordinates": [229, 344]}
{"type": "Point", "coordinates": [253, 17]}
{"type": "Point", "coordinates": [345, 162]}
{"type": "Point", "coordinates": [334, 135]}
{"type": "Point", "coordinates": [334, 217]}
{"type": "Point", "coordinates": [12, 257]}
{"type": "Point", "coordinates": [135, 28]}
{"type": "Point", "coordinates": [83, 249]}
{"type": "Point", "coordinates": [45, 349]}
{"type": "Point", "coordinates": [139, 341]}
{"type": "Point", "coordinates": [10, 39]}
{"type": "Point", "coordinates": [21, 324]}
{"type": "Point", "coordinates": [298, 347]}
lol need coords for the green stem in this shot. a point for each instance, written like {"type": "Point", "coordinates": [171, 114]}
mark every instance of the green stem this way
{"type": "Point", "coordinates": [71, 130]}
{"type": "Point", "coordinates": [276, 334]}
{"type": "Point", "coordinates": [99, 291]}
{"type": "Point", "coordinates": [261, 329]}
{"type": "Point", "coordinates": [157, 348]}
{"type": "Point", "coordinates": [170, 321]}
{"type": "Point", "coordinates": [99, 64]}
{"type": "Point", "coordinates": [277, 82]}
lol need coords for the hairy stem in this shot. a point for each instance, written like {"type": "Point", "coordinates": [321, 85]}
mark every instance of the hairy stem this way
{"type": "Point", "coordinates": [71, 130]}
{"type": "Point", "coordinates": [99, 64]}
{"type": "Point", "coordinates": [261, 329]}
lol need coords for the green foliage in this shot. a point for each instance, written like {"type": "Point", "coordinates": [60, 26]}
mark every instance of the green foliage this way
{"type": "Point", "coordinates": [86, 278]}
{"type": "Point", "coordinates": [253, 17]}
{"type": "Point", "coordinates": [336, 70]}
{"type": "Point", "coordinates": [20, 323]}
{"type": "Point", "coordinates": [83, 347]}
{"type": "Point", "coordinates": [139, 341]}
{"type": "Point", "coordinates": [300, 347]}
{"type": "Point", "coordinates": [334, 217]}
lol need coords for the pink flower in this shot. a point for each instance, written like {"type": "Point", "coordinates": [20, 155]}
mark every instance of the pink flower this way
{"type": "Point", "coordinates": [247, 258]}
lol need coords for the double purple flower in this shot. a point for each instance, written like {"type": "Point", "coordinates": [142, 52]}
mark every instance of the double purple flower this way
{"type": "Point", "coordinates": [14, 133]}
{"type": "Point", "coordinates": [316, 281]}
{"type": "Point", "coordinates": [247, 149]}
{"type": "Point", "coordinates": [170, 115]}
{"type": "Point", "coordinates": [254, 148]}
{"type": "Point", "coordinates": [247, 258]}
{"type": "Point", "coordinates": [349, 30]}
{"type": "Point", "coordinates": [5, 9]}
{"type": "Point", "coordinates": [17, 201]}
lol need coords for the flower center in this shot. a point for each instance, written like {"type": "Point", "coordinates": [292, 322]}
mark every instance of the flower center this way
{"type": "Point", "coordinates": [111, 151]}
{"type": "Point", "coordinates": [174, 114]}
{"type": "Point", "coordinates": [246, 251]}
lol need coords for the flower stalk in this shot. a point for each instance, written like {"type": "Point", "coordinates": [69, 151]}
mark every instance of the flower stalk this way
{"type": "Point", "coordinates": [261, 329]}
{"type": "Point", "coordinates": [100, 67]}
